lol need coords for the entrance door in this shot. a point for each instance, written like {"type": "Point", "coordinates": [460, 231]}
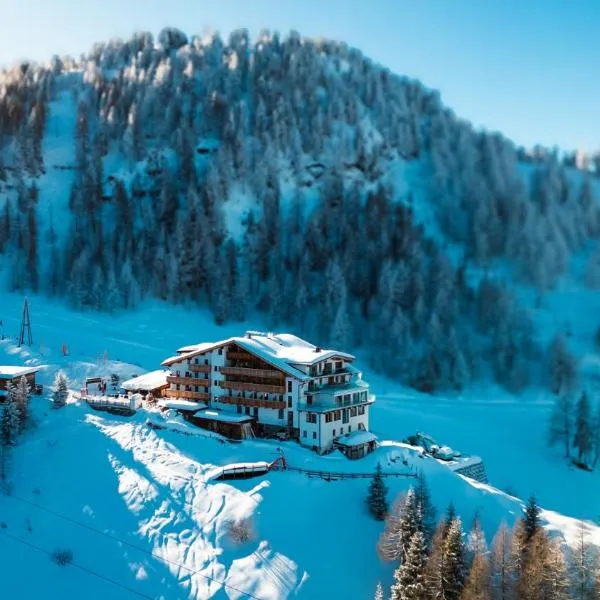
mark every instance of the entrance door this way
{"type": "Point", "coordinates": [290, 419]}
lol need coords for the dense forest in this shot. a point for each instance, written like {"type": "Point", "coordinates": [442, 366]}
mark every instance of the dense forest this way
{"type": "Point", "coordinates": [310, 136]}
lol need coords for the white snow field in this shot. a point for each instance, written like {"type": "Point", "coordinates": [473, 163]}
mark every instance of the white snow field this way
{"type": "Point", "coordinates": [143, 516]}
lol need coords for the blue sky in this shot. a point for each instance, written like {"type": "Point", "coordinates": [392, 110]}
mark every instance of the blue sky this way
{"type": "Point", "coordinates": [528, 68]}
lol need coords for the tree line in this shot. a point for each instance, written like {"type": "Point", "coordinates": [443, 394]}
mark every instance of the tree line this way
{"type": "Point", "coordinates": [440, 560]}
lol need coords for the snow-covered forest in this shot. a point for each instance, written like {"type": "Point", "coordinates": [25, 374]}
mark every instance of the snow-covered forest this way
{"type": "Point", "coordinates": [288, 176]}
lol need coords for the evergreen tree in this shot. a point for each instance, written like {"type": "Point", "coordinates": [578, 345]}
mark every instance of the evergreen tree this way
{"type": "Point", "coordinates": [61, 390]}
{"type": "Point", "coordinates": [377, 500]}
{"type": "Point", "coordinates": [378, 592]}
{"type": "Point", "coordinates": [562, 367]}
{"type": "Point", "coordinates": [401, 523]}
{"type": "Point", "coordinates": [427, 509]}
{"type": "Point", "coordinates": [9, 423]}
{"type": "Point", "coordinates": [409, 577]}
{"type": "Point", "coordinates": [19, 394]}
{"type": "Point", "coordinates": [582, 566]}
{"type": "Point", "coordinates": [561, 423]}
{"type": "Point", "coordinates": [531, 519]}
{"type": "Point", "coordinates": [583, 439]}
{"type": "Point", "coordinates": [453, 572]}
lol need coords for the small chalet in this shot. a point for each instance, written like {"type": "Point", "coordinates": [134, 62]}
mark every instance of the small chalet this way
{"type": "Point", "coordinates": [13, 374]}
{"type": "Point", "coordinates": [154, 383]}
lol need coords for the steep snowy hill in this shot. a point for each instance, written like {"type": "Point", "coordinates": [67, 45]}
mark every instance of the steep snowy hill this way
{"type": "Point", "coordinates": [142, 516]}
{"type": "Point", "coordinates": [294, 177]}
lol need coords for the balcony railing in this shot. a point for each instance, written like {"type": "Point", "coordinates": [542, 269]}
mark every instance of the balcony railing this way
{"type": "Point", "coordinates": [276, 404]}
{"type": "Point", "coordinates": [328, 403]}
{"type": "Point", "coordinates": [182, 380]}
{"type": "Point", "coordinates": [252, 387]}
{"type": "Point", "coordinates": [187, 395]}
{"type": "Point", "coordinates": [248, 372]}
{"type": "Point", "coordinates": [199, 368]}
{"type": "Point", "coordinates": [234, 355]}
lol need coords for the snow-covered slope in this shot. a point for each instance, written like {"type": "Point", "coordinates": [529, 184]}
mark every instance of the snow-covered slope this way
{"type": "Point", "coordinates": [142, 515]}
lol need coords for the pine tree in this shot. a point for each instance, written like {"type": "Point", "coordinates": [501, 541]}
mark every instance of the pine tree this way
{"type": "Point", "coordinates": [427, 509]}
{"type": "Point", "coordinates": [531, 519]}
{"type": "Point", "coordinates": [583, 439]}
{"type": "Point", "coordinates": [10, 422]}
{"type": "Point", "coordinates": [61, 390]}
{"type": "Point", "coordinates": [409, 577]}
{"type": "Point", "coordinates": [561, 423]}
{"type": "Point", "coordinates": [562, 367]}
{"type": "Point", "coordinates": [19, 394]}
{"type": "Point", "coordinates": [378, 592]}
{"type": "Point", "coordinates": [453, 572]}
{"type": "Point", "coordinates": [377, 500]}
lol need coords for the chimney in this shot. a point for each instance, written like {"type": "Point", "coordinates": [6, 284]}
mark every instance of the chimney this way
{"type": "Point", "coordinates": [317, 348]}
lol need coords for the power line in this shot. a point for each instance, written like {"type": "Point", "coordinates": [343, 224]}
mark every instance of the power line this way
{"type": "Point", "coordinates": [126, 543]}
{"type": "Point", "coordinates": [73, 564]}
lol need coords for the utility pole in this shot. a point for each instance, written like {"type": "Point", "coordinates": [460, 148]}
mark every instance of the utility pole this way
{"type": "Point", "coordinates": [25, 326]}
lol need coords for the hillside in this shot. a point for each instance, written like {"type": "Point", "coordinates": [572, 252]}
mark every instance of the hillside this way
{"type": "Point", "coordinates": [295, 178]}
{"type": "Point", "coordinates": [138, 507]}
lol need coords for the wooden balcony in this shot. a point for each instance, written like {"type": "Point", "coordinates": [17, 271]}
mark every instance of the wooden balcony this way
{"type": "Point", "coordinates": [252, 387]}
{"type": "Point", "coordinates": [252, 372]}
{"type": "Point", "coordinates": [234, 355]}
{"type": "Point", "coordinates": [276, 404]}
{"type": "Point", "coordinates": [199, 368]}
{"type": "Point", "coordinates": [187, 395]}
{"type": "Point", "coordinates": [176, 379]}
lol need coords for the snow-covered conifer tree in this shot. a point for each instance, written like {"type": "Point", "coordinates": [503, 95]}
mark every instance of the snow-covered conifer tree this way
{"type": "Point", "coordinates": [409, 577]}
{"type": "Point", "coordinates": [60, 392]}
{"type": "Point", "coordinates": [376, 500]}
{"type": "Point", "coordinates": [561, 423]}
{"type": "Point", "coordinates": [583, 438]}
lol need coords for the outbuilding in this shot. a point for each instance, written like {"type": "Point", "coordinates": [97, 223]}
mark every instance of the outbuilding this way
{"type": "Point", "coordinates": [14, 373]}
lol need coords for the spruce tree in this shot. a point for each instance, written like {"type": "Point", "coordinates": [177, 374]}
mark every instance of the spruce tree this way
{"type": "Point", "coordinates": [427, 509]}
{"type": "Point", "coordinates": [409, 577]}
{"type": "Point", "coordinates": [377, 500]}
{"type": "Point", "coordinates": [561, 423]}
{"type": "Point", "coordinates": [21, 398]}
{"type": "Point", "coordinates": [453, 569]}
{"type": "Point", "coordinates": [9, 423]}
{"type": "Point", "coordinates": [583, 439]}
{"type": "Point", "coordinates": [61, 390]}
{"type": "Point", "coordinates": [401, 523]}
{"type": "Point", "coordinates": [531, 519]}
{"type": "Point", "coordinates": [378, 592]}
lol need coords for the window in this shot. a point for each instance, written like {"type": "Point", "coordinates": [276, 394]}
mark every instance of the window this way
{"type": "Point", "coordinates": [289, 402]}
{"type": "Point", "coordinates": [256, 411]}
{"type": "Point", "coordinates": [334, 433]}
{"type": "Point", "coordinates": [304, 433]}
{"type": "Point", "coordinates": [239, 409]}
{"type": "Point", "coordinates": [196, 388]}
{"type": "Point", "coordinates": [220, 351]}
{"type": "Point", "coordinates": [206, 390]}
{"type": "Point", "coordinates": [328, 417]}
{"type": "Point", "coordinates": [349, 428]}
{"type": "Point", "coordinates": [314, 435]}
{"type": "Point", "coordinates": [308, 399]}
{"type": "Point", "coordinates": [338, 365]}
{"type": "Point", "coordinates": [280, 413]}
{"type": "Point", "coordinates": [177, 387]}
{"type": "Point", "coordinates": [289, 387]}
{"type": "Point", "coordinates": [341, 430]}
{"type": "Point", "coordinates": [196, 360]}
{"type": "Point", "coordinates": [215, 368]}
{"type": "Point", "coordinates": [338, 415]}
{"type": "Point", "coordinates": [247, 410]}
{"type": "Point", "coordinates": [206, 361]}
{"type": "Point", "coordinates": [353, 411]}
{"type": "Point", "coordinates": [361, 410]}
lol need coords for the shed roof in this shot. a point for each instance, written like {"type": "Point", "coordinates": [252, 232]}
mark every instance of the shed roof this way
{"type": "Point", "coordinates": [10, 372]}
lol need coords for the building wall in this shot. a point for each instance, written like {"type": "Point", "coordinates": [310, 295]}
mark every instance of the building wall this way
{"type": "Point", "coordinates": [322, 433]}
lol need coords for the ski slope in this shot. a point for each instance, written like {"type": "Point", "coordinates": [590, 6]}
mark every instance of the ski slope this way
{"type": "Point", "coordinates": [141, 511]}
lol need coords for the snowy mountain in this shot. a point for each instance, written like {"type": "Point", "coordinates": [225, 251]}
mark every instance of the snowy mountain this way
{"type": "Point", "coordinates": [292, 177]}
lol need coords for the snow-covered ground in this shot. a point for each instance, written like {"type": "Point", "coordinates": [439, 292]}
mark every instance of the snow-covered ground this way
{"type": "Point", "coordinates": [142, 514]}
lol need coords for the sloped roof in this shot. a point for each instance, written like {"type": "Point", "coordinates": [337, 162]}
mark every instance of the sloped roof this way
{"type": "Point", "coordinates": [282, 350]}
{"type": "Point", "coordinates": [147, 382]}
{"type": "Point", "coordinates": [10, 372]}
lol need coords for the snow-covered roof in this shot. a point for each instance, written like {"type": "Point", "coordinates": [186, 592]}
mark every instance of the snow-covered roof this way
{"type": "Point", "coordinates": [178, 404]}
{"type": "Point", "coordinates": [147, 382]}
{"type": "Point", "coordinates": [282, 350]}
{"type": "Point", "coordinates": [12, 372]}
{"type": "Point", "coordinates": [356, 438]}
{"type": "Point", "coordinates": [213, 415]}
